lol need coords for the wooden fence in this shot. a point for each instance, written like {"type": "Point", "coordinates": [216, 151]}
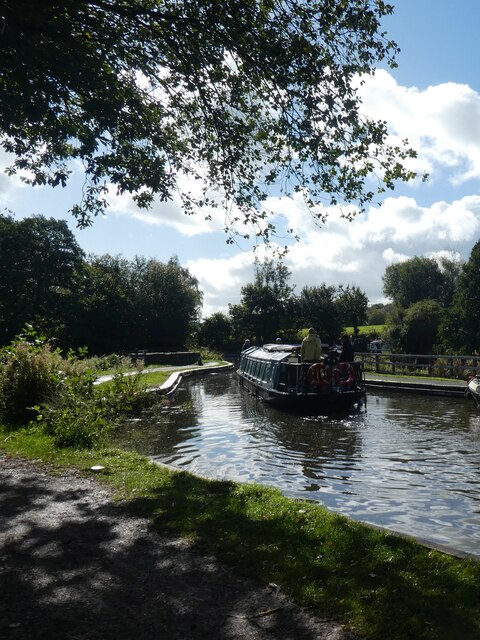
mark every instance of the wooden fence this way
{"type": "Point", "coordinates": [437, 366]}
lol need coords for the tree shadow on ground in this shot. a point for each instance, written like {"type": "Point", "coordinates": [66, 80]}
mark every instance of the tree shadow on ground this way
{"type": "Point", "coordinates": [74, 565]}
{"type": "Point", "coordinates": [344, 570]}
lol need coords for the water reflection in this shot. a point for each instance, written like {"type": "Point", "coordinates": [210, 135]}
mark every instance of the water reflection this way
{"type": "Point", "coordinates": [410, 463]}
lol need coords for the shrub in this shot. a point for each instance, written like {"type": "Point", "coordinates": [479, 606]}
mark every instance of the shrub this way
{"type": "Point", "coordinates": [30, 372]}
{"type": "Point", "coordinates": [60, 392]}
{"type": "Point", "coordinates": [453, 368]}
{"type": "Point", "coordinates": [125, 392]}
{"type": "Point", "coordinates": [80, 414]}
{"type": "Point", "coordinates": [73, 416]}
{"type": "Point", "coordinates": [111, 362]}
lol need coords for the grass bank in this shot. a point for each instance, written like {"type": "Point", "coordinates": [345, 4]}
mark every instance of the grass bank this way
{"type": "Point", "coordinates": [154, 376]}
{"type": "Point", "coordinates": [366, 330]}
{"type": "Point", "coordinates": [380, 585]}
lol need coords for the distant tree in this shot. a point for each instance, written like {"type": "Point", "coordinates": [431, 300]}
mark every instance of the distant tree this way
{"type": "Point", "coordinates": [316, 307]}
{"type": "Point", "coordinates": [137, 304]}
{"type": "Point", "coordinates": [451, 269]}
{"type": "Point", "coordinates": [216, 332]}
{"type": "Point", "coordinates": [351, 304]}
{"type": "Point", "coordinates": [393, 333]}
{"type": "Point", "coordinates": [40, 276]}
{"type": "Point", "coordinates": [167, 303]}
{"type": "Point", "coordinates": [266, 305]}
{"type": "Point", "coordinates": [414, 280]}
{"type": "Point", "coordinates": [460, 330]}
{"type": "Point", "coordinates": [419, 331]}
{"type": "Point", "coordinates": [377, 314]}
{"type": "Point", "coordinates": [107, 322]}
{"type": "Point", "coordinates": [416, 329]}
{"type": "Point", "coordinates": [242, 94]}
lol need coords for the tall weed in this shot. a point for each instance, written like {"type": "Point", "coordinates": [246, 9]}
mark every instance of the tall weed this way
{"type": "Point", "coordinates": [30, 372]}
{"type": "Point", "coordinates": [37, 382]}
{"type": "Point", "coordinates": [72, 415]}
{"type": "Point", "coordinates": [80, 414]}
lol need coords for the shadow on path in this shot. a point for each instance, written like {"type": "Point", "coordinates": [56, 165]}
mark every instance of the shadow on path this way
{"type": "Point", "coordinates": [75, 565]}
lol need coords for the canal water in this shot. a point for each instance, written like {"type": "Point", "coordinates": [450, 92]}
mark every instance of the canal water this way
{"type": "Point", "coordinates": [409, 463]}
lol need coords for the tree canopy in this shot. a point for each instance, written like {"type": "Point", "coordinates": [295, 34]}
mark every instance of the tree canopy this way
{"type": "Point", "coordinates": [351, 303]}
{"type": "Point", "coordinates": [415, 330]}
{"type": "Point", "coordinates": [266, 307]}
{"type": "Point", "coordinates": [413, 280]}
{"type": "Point", "coordinates": [106, 303]}
{"type": "Point", "coordinates": [40, 274]}
{"type": "Point", "coordinates": [137, 304]}
{"type": "Point", "coordinates": [460, 329]}
{"type": "Point", "coordinates": [316, 306]}
{"type": "Point", "coordinates": [237, 95]}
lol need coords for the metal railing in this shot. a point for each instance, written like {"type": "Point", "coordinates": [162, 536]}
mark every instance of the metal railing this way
{"type": "Point", "coordinates": [437, 366]}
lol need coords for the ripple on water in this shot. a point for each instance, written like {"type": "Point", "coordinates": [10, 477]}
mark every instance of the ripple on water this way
{"type": "Point", "coordinates": [410, 463]}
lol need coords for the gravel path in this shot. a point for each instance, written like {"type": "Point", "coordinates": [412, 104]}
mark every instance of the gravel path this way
{"type": "Point", "coordinates": [74, 565]}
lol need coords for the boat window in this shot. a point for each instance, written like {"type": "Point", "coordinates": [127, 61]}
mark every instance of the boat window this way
{"type": "Point", "coordinates": [269, 372]}
{"type": "Point", "coordinates": [259, 370]}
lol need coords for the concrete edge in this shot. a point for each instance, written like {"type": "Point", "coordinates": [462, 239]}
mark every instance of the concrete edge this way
{"type": "Point", "coordinates": [424, 542]}
{"type": "Point", "coordinates": [170, 386]}
{"type": "Point", "coordinates": [429, 388]}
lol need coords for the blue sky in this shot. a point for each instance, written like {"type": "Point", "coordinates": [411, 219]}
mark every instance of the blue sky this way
{"type": "Point", "coordinates": [433, 98]}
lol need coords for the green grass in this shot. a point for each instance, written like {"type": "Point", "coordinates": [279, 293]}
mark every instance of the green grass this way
{"type": "Point", "coordinates": [155, 378]}
{"type": "Point", "coordinates": [380, 585]}
{"type": "Point", "coordinates": [367, 330]}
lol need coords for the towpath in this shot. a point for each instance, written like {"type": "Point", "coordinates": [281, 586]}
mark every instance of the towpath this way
{"type": "Point", "coordinates": [75, 564]}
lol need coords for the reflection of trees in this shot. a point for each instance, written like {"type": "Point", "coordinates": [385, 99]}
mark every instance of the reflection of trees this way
{"type": "Point", "coordinates": [214, 384]}
{"type": "Point", "coordinates": [156, 434]}
{"type": "Point", "coordinates": [160, 430]}
{"type": "Point", "coordinates": [312, 440]}
{"type": "Point", "coordinates": [314, 443]}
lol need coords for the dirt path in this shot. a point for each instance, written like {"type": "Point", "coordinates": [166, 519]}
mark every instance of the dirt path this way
{"type": "Point", "coordinates": [74, 565]}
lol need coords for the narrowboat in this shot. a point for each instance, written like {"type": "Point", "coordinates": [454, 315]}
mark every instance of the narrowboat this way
{"type": "Point", "coordinates": [473, 389]}
{"type": "Point", "coordinates": [276, 374]}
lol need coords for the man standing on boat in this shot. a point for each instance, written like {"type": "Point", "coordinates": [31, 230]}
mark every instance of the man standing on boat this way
{"type": "Point", "coordinates": [311, 347]}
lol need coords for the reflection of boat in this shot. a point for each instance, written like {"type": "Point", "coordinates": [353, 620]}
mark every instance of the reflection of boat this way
{"type": "Point", "coordinates": [276, 374]}
{"type": "Point", "coordinates": [473, 388]}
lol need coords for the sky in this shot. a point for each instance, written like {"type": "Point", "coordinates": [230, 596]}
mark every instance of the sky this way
{"type": "Point", "coordinates": [432, 98]}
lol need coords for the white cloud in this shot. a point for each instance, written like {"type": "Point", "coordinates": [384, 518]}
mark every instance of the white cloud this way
{"type": "Point", "coordinates": [442, 122]}
{"type": "Point", "coordinates": [8, 184]}
{"type": "Point", "coordinates": [221, 279]}
{"type": "Point", "coordinates": [355, 253]}
{"type": "Point", "coordinates": [171, 213]}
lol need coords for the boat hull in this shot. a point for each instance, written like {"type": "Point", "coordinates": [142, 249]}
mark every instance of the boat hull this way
{"type": "Point", "coordinates": [332, 400]}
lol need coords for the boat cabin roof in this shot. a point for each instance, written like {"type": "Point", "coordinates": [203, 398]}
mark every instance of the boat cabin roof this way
{"type": "Point", "coordinates": [275, 352]}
